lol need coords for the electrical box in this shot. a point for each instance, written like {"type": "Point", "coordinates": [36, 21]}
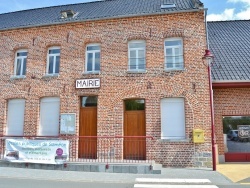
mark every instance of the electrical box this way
{"type": "Point", "coordinates": [198, 136]}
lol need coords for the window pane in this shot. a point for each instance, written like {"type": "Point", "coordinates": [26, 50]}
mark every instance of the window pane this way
{"type": "Point", "coordinates": [173, 43]}
{"type": "Point", "coordinates": [169, 52]}
{"type": "Point", "coordinates": [22, 54]}
{"type": "Point", "coordinates": [18, 66]}
{"type": "Point", "coordinates": [141, 54]}
{"type": "Point", "coordinates": [93, 48]}
{"type": "Point", "coordinates": [89, 61]}
{"type": "Point", "coordinates": [135, 104]}
{"type": "Point", "coordinates": [141, 63]}
{"type": "Point", "coordinates": [97, 61]}
{"type": "Point", "coordinates": [54, 51]}
{"type": "Point", "coordinates": [137, 45]}
{"type": "Point", "coordinates": [57, 64]}
{"type": "Point", "coordinates": [24, 66]}
{"type": "Point", "coordinates": [177, 61]}
{"type": "Point", "coordinates": [89, 101]}
{"type": "Point", "coordinates": [178, 51]}
{"type": "Point", "coordinates": [169, 62]}
{"type": "Point", "coordinates": [132, 64]}
{"type": "Point", "coordinates": [132, 53]}
{"type": "Point", "coordinates": [51, 60]}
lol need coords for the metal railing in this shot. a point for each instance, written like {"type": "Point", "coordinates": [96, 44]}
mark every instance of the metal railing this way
{"type": "Point", "coordinates": [103, 149]}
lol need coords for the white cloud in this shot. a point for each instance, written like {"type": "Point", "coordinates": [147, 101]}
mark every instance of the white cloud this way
{"type": "Point", "coordinates": [243, 15]}
{"type": "Point", "coordinates": [239, 1]}
{"type": "Point", "coordinates": [233, 14]}
{"type": "Point", "coordinates": [228, 14]}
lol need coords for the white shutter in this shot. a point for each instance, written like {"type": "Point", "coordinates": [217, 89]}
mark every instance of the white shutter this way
{"type": "Point", "coordinates": [172, 118]}
{"type": "Point", "coordinates": [49, 116]}
{"type": "Point", "coordinates": [15, 117]}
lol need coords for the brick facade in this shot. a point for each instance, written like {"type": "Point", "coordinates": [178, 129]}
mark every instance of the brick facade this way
{"type": "Point", "coordinates": [116, 83]}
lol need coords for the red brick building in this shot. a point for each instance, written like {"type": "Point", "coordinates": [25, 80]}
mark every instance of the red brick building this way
{"type": "Point", "coordinates": [123, 67]}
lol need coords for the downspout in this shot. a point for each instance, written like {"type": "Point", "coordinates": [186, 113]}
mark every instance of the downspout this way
{"type": "Point", "coordinates": [206, 29]}
{"type": "Point", "coordinates": [211, 101]}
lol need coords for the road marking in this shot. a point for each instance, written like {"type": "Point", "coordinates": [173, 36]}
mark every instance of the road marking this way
{"type": "Point", "coordinates": [173, 186]}
{"type": "Point", "coordinates": [158, 180]}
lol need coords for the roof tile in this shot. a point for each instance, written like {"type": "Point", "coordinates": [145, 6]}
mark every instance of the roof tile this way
{"type": "Point", "coordinates": [90, 11]}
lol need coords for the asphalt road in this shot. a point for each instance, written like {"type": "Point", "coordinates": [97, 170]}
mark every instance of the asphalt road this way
{"type": "Point", "coordinates": [8, 182]}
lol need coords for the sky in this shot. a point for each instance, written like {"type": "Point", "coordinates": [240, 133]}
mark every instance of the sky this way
{"type": "Point", "coordinates": [218, 10]}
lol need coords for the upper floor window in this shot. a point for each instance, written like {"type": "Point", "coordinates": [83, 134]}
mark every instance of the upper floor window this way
{"type": "Point", "coordinates": [53, 60]}
{"type": "Point", "coordinates": [20, 63]}
{"type": "Point", "coordinates": [137, 60]}
{"type": "Point", "coordinates": [93, 58]}
{"type": "Point", "coordinates": [173, 50]}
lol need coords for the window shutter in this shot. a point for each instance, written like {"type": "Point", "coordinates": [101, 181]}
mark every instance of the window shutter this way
{"type": "Point", "coordinates": [15, 117]}
{"type": "Point", "coordinates": [172, 118]}
{"type": "Point", "coordinates": [49, 116]}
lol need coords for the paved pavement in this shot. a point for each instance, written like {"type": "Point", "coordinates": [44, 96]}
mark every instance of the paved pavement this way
{"type": "Point", "coordinates": [236, 172]}
{"type": "Point", "coordinates": [214, 177]}
{"type": "Point", "coordinates": [226, 174]}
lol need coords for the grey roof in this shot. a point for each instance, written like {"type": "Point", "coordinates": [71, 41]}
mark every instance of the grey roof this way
{"type": "Point", "coordinates": [92, 11]}
{"type": "Point", "coordinates": [229, 41]}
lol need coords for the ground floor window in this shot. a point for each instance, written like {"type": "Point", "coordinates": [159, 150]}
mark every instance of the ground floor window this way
{"type": "Point", "coordinates": [15, 117]}
{"type": "Point", "coordinates": [172, 118]}
{"type": "Point", "coordinates": [237, 132]}
{"type": "Point", "coordinates": [49, 116]}
{"type": "Point", "coordinates": [132, 104]}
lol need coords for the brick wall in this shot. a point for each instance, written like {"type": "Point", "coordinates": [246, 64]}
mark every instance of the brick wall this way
{"type": "Point", "coordinates": [116, 83]}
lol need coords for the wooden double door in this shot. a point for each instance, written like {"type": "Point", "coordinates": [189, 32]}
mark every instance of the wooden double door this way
{"type": "Point", "coordinates": [134, 143]}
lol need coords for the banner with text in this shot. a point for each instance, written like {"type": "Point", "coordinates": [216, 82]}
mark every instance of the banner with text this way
{"type": "Point", "coordinates": [37, 151]}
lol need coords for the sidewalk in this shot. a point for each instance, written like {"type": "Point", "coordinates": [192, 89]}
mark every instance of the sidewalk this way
{"type": "Point", "coordinates": [214, 177]}
{"type": "Point", "coordinates": [237, 172]}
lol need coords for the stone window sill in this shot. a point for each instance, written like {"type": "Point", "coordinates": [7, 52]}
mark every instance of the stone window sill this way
{"type": "Point", "coordinates": [136, 71]}
{"type": "Point", "coordinates": [15, 77]}
{"type": "Point", "coordinates": [174, 140]}
{"type": "Point", "coordinates": [173, 70]}
{"type": "Point", "coordinates": [50, 76]}
{"type": "Point", "coordinates": [91, 72]}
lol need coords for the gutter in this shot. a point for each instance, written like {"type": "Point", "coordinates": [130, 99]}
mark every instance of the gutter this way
{"type": "Point", "coordinates": [231, 84]}
{"type": "Point", "coordinates": [100, 19]}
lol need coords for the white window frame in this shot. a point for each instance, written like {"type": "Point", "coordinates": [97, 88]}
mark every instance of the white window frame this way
{"type": "Point", "coordinates": [22, 58]}
{"type": "Point", "coordinates": [173, 119]}
{"type": "Point", "coordinates": [15, 117]}
{"type": "Point", "coordinates": [137, 49]}
{"type": "Point", "coordinates": [55, 55]}
{"type": "Point", "coordinates": [93, 52]}
{"type": "Point", "coordinates": [176, 66]}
